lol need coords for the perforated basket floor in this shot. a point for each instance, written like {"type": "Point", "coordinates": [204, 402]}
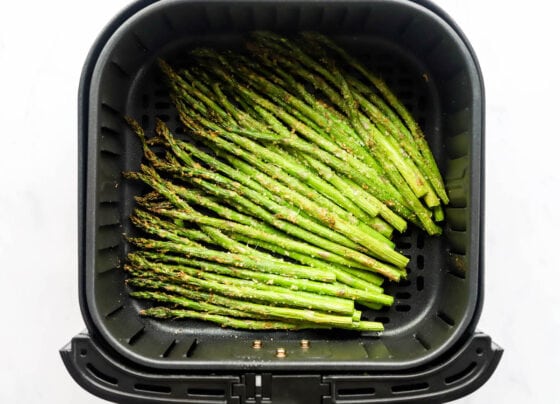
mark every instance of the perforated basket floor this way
{"type": "Point", "coordinates": [429, 351]}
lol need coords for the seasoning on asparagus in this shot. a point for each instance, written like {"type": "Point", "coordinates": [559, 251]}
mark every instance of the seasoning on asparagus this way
{"type": "Point", "coordinates": [276, 211]}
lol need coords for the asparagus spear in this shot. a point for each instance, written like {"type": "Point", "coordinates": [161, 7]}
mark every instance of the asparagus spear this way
{"type": "Point", "coordinates": [382, 149]}
{"type": "Point", "coordinates": [241, 289]}
{"type": "Point", "coordinates": [182, 247]}
{"type": "Point", "coordinates": [395, 103]}
{"type": "Point", "coordinates": [203, 304]}
{"type": "Point", "coordinates": [243, 309]}
{"type": "Point", "coordinates": [385, 191]}
{"type": "Point", "coordinates": [316, 187]}
{"type": "Point", "coordinates": [148, 221]}
{"type": "Point", "coordinates": [344, 274]}
{"type": "Point", "coordinates": [271, 279]}
{"type": "Point", "coordinates": [224, 321]}
{"type": "Point", "coordinates": [374, 245]}
{"type": "Point", "coordinates": [260, 281]}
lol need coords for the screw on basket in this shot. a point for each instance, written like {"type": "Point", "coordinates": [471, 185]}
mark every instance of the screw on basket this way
{"type": "Point", "coordinates": [280, 353]}
{"type": "Point", "coordinates": [304, 343]}
{"type": "Point", "coordinates": [257, 344]}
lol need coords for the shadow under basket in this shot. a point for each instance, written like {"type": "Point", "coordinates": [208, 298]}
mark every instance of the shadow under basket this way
{"type": "Point", "coordinates": [429, 351]}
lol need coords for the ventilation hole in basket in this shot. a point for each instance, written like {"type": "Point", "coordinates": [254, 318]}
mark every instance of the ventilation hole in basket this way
{"type": "Point", "coordinates": [403, 245]}
{"type": "Point", "coordinates": [104, 153]}
{"type": "Point", "coordinates": [119, 69]}
{"type": "Point", "coordinates": [420, 283]}
{"type": "Point", "coordinates": [387, 71]}
{"type": "Point", "coordinates": [422, 342]}
{"type": "Point", "coordinates": [152, 388]}
{"type": "Point", "coordinates": [356, 391]}
{"type": "Point", "coordinates": [342, 15]}
{"type": "Point", "coordinates": [479, 351]}
{"type": "Point", "coordinates": [384, 320]}
{"type": "Point", "coordinates": [291, 17]}
{"type": "Point", "coordinates": [161, 93]}
{"type": "Point", "coordinates": [108, 226]}
{"type": "Point", "coordinates": [162, 105]}
{"type": "Point", "coordinates": [83, 352]}
{"type": "Point", "coordinates": [136, 336]}
{"type": "Point", "coordinates": [420, 262]}
{"type": "Point", "coordinates": [114, 311]}
{"type": "Point", "coordinates": [402, 308]}
{"type": "Point", "coordinates": [106, 271]}
{"type": "Point", "coordinates": [200, 391]}
{"type": "Point", "coordinates": [434, 44]}
{"type": "Point", "coordinates": [445, 318]}
{"type": "Point", "coordinates": [422, 103]}
{"type": "Point", "coordinates": [168, 23]}
{"type": "Point", "coordinates": [405, 82]}
{"type": "Point", "coordinates": [405, 388]}
{"type": "Point", "coordinates": [169, 349]}
{"type": "Point", "coordinates": [404, 284]}
{"type": "Point", "coordinates": [108, 248]}
{"type": "Point", "coordinates": [403, 295]}
{"type": "Point", "coordinates": [100, 375]}
{"type": "Point", "coordinates": [191, 349]}
{"type": "Point", "coordinates": [140, 43]}
{"type": "Point", "coordinates": [145, 122]}
{"type": "Point", "coordinates": [163, 117]}
{"type": "Point", "coordinates": [110, 109]}
{"type": "Point", "coordinates": [145, 101]}
{"type": "Point", "coordinates": [406, 95]}
{"type": "Point", "coordinates": [461, 375]}
{"type": "Point", "coordinates": [457, 274]}
{"type": "Point", "coordinates": [109, 131]}
{"type": "Point", "coordinates": [108, 203]}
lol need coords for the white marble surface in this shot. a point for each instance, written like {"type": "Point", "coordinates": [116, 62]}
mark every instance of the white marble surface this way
{"type": "Point", "coordinates": [42, 48]}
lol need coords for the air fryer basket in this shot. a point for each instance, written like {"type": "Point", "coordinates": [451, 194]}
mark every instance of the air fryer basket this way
{"type": "Point", "coordinates": [421, 55]}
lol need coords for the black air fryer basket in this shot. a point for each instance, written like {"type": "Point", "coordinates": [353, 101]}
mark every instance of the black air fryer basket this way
{"type": "Point", "coordinates": [429, 352]}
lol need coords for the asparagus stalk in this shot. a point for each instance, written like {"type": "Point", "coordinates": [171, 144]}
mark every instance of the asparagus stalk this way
{"type": "Point", "coordinates": [389, 122]}
{"type": "Point", "coordinates": [334, 151]}
{"type": "Point", "coordinates": [229, 226]}
{"type": "Point", "coordinates": [266, 282]}
{"type": "Point", "coordinates": [286, 269]}
{"type": "Point", "coordinates": [257, 193]}
{"type": "Point", "coordinates": [395, 103]}
{"type": "Point", "coordinates": [224, 321]}
{"type": "Point", "coordinates": [306, 202]}
{"type": "Point", "coordinates": [362, 197]}
{"type": "Point", "coordinates": [351, 258]}
{"type": "Point", "coordinates": [378, 248]}
{"type": "Point", "coordinates": [288, 170]}
{"type": "Point", "coordinates": [201, 305]}
{"type": "Point", "coordinates": [245, 309]}
{"type": "Point", "coordinates": [394, 165]}
{"type": "Point", "coordinates": [241, 289]}
{"type": "Point", "coordinates": [343, 273]}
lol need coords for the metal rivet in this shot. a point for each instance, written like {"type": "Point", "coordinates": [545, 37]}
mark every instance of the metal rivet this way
{"type": "Point", "coordinates": [257, 344]}
{"type": "Point", "coordinates": [304, 343]}
{"type": "Point", "coordinates": [280, 353]}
